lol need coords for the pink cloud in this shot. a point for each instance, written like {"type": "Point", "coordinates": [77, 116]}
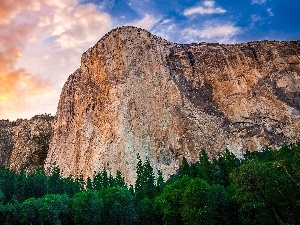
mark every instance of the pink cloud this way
{"type": "Point", "coordinates": [28, 76]}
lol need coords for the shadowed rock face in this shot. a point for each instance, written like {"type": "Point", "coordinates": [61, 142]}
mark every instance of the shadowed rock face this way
{"type": "Point", "coordinates": [25, 143]}
{"type": "Point", "coordinates": [136, 93]}
{"type": "Point", "coordinates": [6, 142]}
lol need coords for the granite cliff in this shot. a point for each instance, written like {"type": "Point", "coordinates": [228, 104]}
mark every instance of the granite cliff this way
{"type": "Point", "coordinates": [136, 93]}
{"type": "Point", "coordinates": [25, 143]}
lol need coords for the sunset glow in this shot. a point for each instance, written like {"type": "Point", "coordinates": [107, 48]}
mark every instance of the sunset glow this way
{"type": "Point", "coordinates": [41, 41]}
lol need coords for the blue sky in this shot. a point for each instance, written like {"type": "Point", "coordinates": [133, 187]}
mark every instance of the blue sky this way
{"type": "Point", "coordinates": [41, 41]}
{"type": "Point", "coordinates": [211, 21]}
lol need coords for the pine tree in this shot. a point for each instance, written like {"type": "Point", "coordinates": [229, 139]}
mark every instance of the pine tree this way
{"type": "Point", "coordinates": [144, 186]}
{"type": "Point", "coordinates": [89, 184]}
{"type": "Point", "coordinates": [184, 168]}
{"type": "Point", "coordinates": [105, 181]}
{"type": "Point", "coordinates": [205, 167]}
{"type": "Point", "coordinates": [160, 184]}
{"type": "Point", "coordinates": [119, 180]}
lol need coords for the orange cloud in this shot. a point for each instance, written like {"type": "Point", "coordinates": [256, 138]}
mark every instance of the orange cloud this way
{"type": "Point", "coordinates": [42, 41]}
{"type": "Point", "coordinates": [15, 83]}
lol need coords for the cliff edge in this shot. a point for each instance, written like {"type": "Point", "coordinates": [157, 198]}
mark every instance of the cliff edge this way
{"type": "Point", "coordinates": [136, 93]}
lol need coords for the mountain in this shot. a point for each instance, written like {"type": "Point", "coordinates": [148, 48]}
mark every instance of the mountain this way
{"type": "Point", "coordinates": [25, 143]}
{"type": "Point", "coordinates": [138, 94]}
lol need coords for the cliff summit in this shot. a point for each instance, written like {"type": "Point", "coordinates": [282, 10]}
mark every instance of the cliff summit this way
{"type": "Point", "coordinates": [136, 93]}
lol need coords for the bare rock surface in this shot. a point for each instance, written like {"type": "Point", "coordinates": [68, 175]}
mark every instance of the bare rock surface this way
{"type": "Point", "coordinates": [25, 143]}
{"type": "Point", "coordinates": [136, 93]}
{"type": "Point", "coordinates": [6, 142]}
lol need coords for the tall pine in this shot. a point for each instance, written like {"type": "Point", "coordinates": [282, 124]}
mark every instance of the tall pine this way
{"type": "Point", "coordinates": [144, 185]}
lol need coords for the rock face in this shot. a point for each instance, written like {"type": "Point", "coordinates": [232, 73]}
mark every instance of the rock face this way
{"type": "Point", "coordinates": [25, 143]}
{"type": "Point", "coordinates": [6, 142]}
{"type": "Point", "coordinates": [136, 93]}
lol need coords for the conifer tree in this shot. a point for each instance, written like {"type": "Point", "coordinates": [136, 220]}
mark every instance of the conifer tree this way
{"type": "Point", "coordinates": [144, 186]}
{"type": "Point", "coordinates": [184, 168]}
{"type": "Point", "coordinates": [205, 171]}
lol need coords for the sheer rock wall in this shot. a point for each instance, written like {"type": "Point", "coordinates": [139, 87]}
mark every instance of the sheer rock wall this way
{"type": "Point", "coordinates": [25, 143]}
{"type": "Point", "coordinates": [136, 93]}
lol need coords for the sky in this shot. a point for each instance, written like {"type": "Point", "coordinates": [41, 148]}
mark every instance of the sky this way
{"type": "Point", "coordinates": [41, 41]}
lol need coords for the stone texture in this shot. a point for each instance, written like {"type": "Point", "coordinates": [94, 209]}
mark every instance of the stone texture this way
{"type": "Point", "coordinates": [25, 143]}
{"type": "Point", "coordinates": [6, 142]}
{"type": "Point", "coordinates": [136, 93]}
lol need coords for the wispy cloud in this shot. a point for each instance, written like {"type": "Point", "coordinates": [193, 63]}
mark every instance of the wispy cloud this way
{"type": "Point", "coordinates": [212, 32]}
{"type": "Point", "coordinates": [270, 12]}
{"type": "Point", "coordinates": [207, 8]}
{"type": "Point", "coordinates": [259, 2]}
{"type": "Point", "coordinates": [147, 22]}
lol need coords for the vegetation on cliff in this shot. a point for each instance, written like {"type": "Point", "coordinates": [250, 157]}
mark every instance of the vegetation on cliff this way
{"type": "Point", "coordinates": [262, 188]}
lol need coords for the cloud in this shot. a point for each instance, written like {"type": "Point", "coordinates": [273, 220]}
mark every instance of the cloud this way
{"type": "Point", "coordinates": [142, 7]}
{"type": "Point", "coordinates": [15, 83]}
{"type": "Point", "coordinates": [212, 32]}
{"type": "Point", "coordinates": [168, 31]}
{"type": "Point", "coordinates": [147, 22]}
{"type": "Point", "coordinates": [207, 8]}
{"type": "Point", "coordinates": [255, 19]}
{"type": "Point", "coordinates": [40, 45]}
{"type": "Point", "coordinates": [259, 2]}
{"type": "Point", "coordinates": [77, 26]}
{"type": "Point", "coordinates": [270, 12]}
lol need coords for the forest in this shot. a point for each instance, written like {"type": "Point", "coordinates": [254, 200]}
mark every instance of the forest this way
{"type": "Point", "coordinates": [261, 188]}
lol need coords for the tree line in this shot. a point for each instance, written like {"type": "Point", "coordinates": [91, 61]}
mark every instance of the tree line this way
{"type": "Point", "coordinates": [262, 188]}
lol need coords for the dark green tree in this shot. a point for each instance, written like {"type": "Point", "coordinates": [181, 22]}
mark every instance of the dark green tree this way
{"type": "Point", "coordinates": [185, 168]}
{"type": "Point", "coordinates": [160, 184]}
{"type": "Point", "coordinates": [144, 185]}
{"type": "Point", "coordinates": [35, 184]}
{"type": "Point", "coordinates": [119, 207]}
{"type": "Point", "coordinates": [88, 208]}
{"type": "Point", "coordinates": [264, 192]}
{"type": "Point", "coordinates": [55, 209]}
{"type": "Point", "coordinates": [29, 211]}
{"type": "Point", "coordinates": [223, 166]}
{"type": "Point", "coordinates": [205, 204]}
{"type": "Point", "coordinates": [8, 183]}
{"type": "Point", "coordinates": [89, 184]}
{"type": "Point", "coordinates": [55, 183]}
{"type": "Point", "coordinates": [170, 201]}
{"type": "Point", "coordinates": [205, 171]}
{"type": "Point", "coordinates": [119, 180]}
{"type": "Point", "coordinates": [105, 179]}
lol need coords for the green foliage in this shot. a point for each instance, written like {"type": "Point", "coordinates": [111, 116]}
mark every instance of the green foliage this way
{"type": "Point", "coordinates": [119, 180]}
{"type": "Point", "coordinates": [29, 211]}
{"type": "Point", "coordinates": [87, 207]}
{"type": "Point", "coordinates": [268, 190]}
{"type": "Point", "coordinates": [119, 206]}
{"type": "Point", "coordinates": [223, 166]}
{"type": "Point", "coordinates": [8, 181]}
{"type": "Point", "coordinates": [263, 188]}
{"type": "Point", "coordinates": [144, 185]}
{"type": "Point", "coordinates": [35, 184]}
{"type": "Point", "coordinates": [170, 201]}
{"type": "Point", "coordinates": [55, 183]}
{"type": "Point", "coordinates": [205, 171]}
{"type": "Point", "coordinates": [205, 204]}
{"type": "Point", "coordinates": [184, 168]}
{"type": "Point", "coordinates": [55, 209]}
{"type": "Point", "coordinates": [160, 184]}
